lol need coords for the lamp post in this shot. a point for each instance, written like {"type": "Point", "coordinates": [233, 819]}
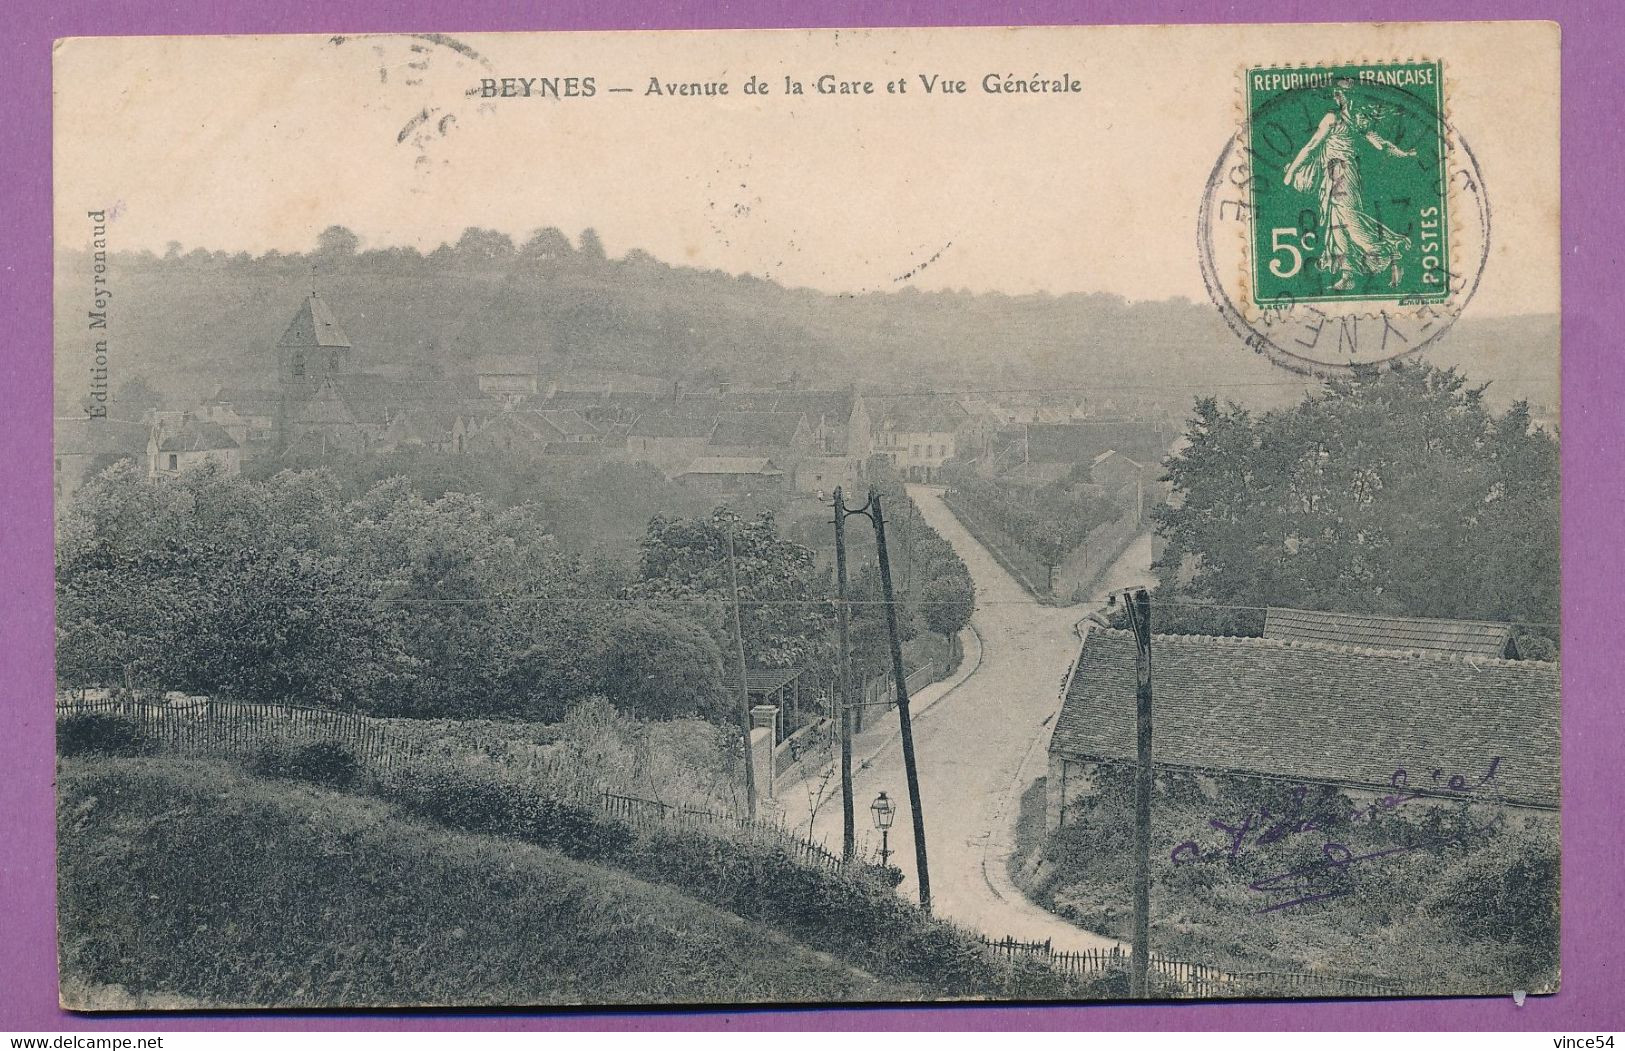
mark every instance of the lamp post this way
{"type": "Point", "coordinates": [883, 812]}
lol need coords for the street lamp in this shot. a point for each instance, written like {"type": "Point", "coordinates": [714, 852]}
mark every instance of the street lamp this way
{"type": "Point", "coordinates": [883, 812]}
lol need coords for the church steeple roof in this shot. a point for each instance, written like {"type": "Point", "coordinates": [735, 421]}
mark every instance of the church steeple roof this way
{"type": "Point", "coordinates": [314, 326]}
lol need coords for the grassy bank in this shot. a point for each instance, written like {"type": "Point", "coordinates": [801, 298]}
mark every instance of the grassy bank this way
{"type": "Point", "coordinates": [185, 882]}
{"type": "Point", "coordinates": [1439, 898]}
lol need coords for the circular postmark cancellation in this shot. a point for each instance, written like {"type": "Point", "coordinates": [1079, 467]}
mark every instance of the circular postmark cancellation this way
{"type": "Point", "coordinates": [1344, 226]}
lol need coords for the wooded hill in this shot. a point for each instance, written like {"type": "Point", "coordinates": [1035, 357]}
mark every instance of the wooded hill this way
{"type": "Point", "coordinates": [194, 321]}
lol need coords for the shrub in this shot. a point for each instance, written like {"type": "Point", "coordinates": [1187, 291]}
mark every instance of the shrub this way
{"type": "Point", "coordinates": [480, 802]}
{"type": "Point", "coordinates": [98, 733]}
{"type": "Point", "coordinates": [854, 915]}
{"type": "Point", "coordinates": [320, 762]}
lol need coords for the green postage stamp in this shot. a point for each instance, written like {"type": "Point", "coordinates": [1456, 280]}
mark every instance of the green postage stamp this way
{"type": "Point", "coordinates": [1349, 181]}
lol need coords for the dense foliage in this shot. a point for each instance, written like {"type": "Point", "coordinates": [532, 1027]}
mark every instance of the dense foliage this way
{"type": "Point", "coordinates": [930, 574]}
{"type": "Point", "coordinates": [595, 507]}
{"type": "Point", "coordinates": [405, 595]}
{"type": "Point", "coordinates": [1401, 494]}
{"type": "Point", "coordinates": [1437, 895]}
{"type": "Point", "coordinates": [783, 594]}
{"type": "Point", "coordinates": [1047, 521]}
{"type": "Point", "coordinates": [284, 590]}
{"type": "Point", "coordinates": [855, 915]}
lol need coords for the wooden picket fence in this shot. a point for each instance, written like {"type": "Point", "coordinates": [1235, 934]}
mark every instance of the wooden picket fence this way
{"type": "Point", "coordinates": [642, 813]}
{"type": "Point", "coordinates": [1016, 949]}
{"type": "Point", "coordinates": [204, 727]}
{"type": "Point", "coordinates": [1172, 977]}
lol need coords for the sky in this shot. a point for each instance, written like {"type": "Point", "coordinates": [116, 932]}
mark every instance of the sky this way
{"type": "Point", "coordinates": [260, 143]}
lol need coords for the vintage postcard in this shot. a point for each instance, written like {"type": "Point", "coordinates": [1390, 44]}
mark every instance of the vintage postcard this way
{"type": "Point", "coordinates": [807, 516]}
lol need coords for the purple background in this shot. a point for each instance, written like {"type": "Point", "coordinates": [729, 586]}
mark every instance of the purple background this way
{"type": "Point", "coordinates": [1593, 386]}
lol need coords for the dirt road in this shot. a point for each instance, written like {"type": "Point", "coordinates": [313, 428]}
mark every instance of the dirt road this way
{"type": "Point", "coordinates": [980, 745]}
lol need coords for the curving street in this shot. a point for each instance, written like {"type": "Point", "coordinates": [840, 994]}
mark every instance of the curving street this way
{"type": "Point", "coordinates": [980, 739]}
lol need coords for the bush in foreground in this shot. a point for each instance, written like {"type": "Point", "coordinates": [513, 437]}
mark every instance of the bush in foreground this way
{"type": "Point", "coordinates": [98, 733]}
{"type": "Point", "coordinates": [319, 762]}
{"type": "Point", "coordinates": [853, 915]}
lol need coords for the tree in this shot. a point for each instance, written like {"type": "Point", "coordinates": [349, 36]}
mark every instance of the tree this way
{"type": "Point", "coordinates": [786, 614]}
{"type": "Point", "coordinates": [591, 249]}
{"type": "Point", "coordinates": [338, 242]}
{"type": "Point", "coordinates": [480, 245]}
{"type": "Point", "coordinates": [547, 249]}
{"type": "Point", "coordinates": [214, 584]}
{"type": "Point", "coordinates": [1400, 493]}
{"type": "Point", "coordinates": [660, 665]}
{"type": "Point", "coordinates": [135, 399]}
{"type": "Point", "coordinates": [948, 604]}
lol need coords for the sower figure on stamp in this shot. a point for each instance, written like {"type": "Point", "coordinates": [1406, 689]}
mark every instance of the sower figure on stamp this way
{"type": "Point", "coordinates": [1353, 241]}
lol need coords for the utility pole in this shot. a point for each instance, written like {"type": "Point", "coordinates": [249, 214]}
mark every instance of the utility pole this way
{"type": "Point", "coordinates": [744, 685]}
{"type": "Point", "coordinates": [908, 550]}
{"type": "Point", "coordinates": [905, 723]}
{"type": "Point", "coordinates": [1139, 617]}
{"type": "Point", "coordinates": [844, 693]}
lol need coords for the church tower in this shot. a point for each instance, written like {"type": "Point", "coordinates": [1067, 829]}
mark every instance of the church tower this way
{"type": "Point", "coordinates": [312, 349]}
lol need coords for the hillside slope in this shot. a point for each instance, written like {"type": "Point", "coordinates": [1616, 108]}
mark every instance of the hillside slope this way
{"type": "Point", "coordinates": [191, 884]}
{"type": "Point", "coordinates": [192, 323]}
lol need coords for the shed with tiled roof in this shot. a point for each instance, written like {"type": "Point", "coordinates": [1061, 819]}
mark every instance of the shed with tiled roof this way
{"type": "Point", "coordinates": [733, 473]}
{"type": "Point", "coordinates": [1463, 638]}
{"type": "Point", "coordinates": [1342, 716]}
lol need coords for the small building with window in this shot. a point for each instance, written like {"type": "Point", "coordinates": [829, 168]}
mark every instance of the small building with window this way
{"type": "Point", "coordinates": [179, 441]}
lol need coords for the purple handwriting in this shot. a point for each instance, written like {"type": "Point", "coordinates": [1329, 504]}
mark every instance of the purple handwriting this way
{"type": "Point", "coordinates": [1337, 858]}
{"type": "Point", "coordinates": [1261, 827]}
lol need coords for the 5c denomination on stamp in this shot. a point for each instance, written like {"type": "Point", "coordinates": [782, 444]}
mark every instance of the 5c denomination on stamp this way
{"type": "Point", "coordinates": [1344, 226]}
{"type": "Point", "coordinates": [1348, 188]}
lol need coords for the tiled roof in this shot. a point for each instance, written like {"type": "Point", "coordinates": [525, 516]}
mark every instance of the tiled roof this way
{"type": "Point", "coordinates": [1067, 443]}
{"type": "Point", "coordinates": [376, 399]}
{"type": "Point", "coordinates": [757, 428]}
{"type": "Point", "coordinates": [833, 406]}
{"type": "Point", "coordinates": [1319, 713]}
{"type": "Point", "coordinates": [196, 436]}
{"type": "Point", "coordinates": [525, 426]}
{"type": "Point", "coordinates": [566, 421]}
{"type": "Point", "coordinates": [757, 465]}
{"type": "Point", "coordinates": [248, 400]}
{"type": "Point", "coordinates": [314, 326]}
{"type": "Point", "coordinates": [423, 426]}
{"type": "Point", "coordinates": [1465, 638]}
{"type": "Point", "coordinates": [577, 398]}
{"type": "Point", "coordinates": [943, 405]}
{"type": "Point", "coordinates": [766, 680]}
{"type": "Point", "coordinates": [1112, 454]}
{"type": "Point", "coordinates": [326, 408]}
{"type": "Point", "coordinates": [921, 422]}
{"type": "Point", "coordinates": [651, 426]}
